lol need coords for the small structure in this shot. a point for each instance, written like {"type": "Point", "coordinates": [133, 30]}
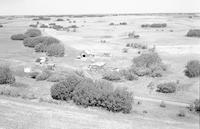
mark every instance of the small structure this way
{"type": "Point", "coordinates": [27, 69]}
{"type": "Point", "coordinates": [42, 60]}
{"type": "Point", "coordinates": [97, 66]}
{"type": "Point", "coordinates": [86, 53]}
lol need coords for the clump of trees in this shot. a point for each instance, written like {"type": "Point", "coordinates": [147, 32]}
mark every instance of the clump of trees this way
{"type": "Point", "coordinates": [87, 92]}
{"type": "Point", "coordinates": [192, 68]}
{"type": "Point", "coordinates": [193, 33]}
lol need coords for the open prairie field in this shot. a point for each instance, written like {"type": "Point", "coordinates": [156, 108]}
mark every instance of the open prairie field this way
{"type": "Point", "coordinates": [100, 48]}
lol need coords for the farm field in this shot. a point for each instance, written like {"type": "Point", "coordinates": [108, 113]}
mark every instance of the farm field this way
{"type": "Point", "coordinates": [106, 42]}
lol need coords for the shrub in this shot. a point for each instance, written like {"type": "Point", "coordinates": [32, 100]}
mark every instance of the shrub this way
{"type": "Point", "coordinates": [56, 78]}
{"type": "Point", "coordinates": [18, 37]}
{"type": "Point", "coordinates": [169, 87]}
{"type": "Point", "coordinates": [60, 19]}
{"type": "Point", "coordinates": [32, 25]}
{"type": "Point", "coordinates": [41, 18]}
{"type": "Point", "coordinates": [158, 25]}
{"type": "Point", "coordinates": [162, 104]}
{"type": "Point", "coordinates": [10, 91]}
{"type": "Point", "coordinates": [43, 26]}
{"type": "Point", "coordinates": [193, 33]}
{"type": "Point", "coordinates": [63, 90]}
{"type": "Point", "coordinates": [57, 50]}
{"type": "Point", "coordinates": [111, 76]}
{"type": "Point", "coordinates": [120, 101]}
{"type": "Point", "coordinates": [192, 68]}
{"type": "Point", "coordinates": [33, 33]}
{"type": "Point", "coordinates": [146, 60]}
{"type": "Point", "coordinates": [6, 75]}
{"type": "Point", "coordinates": [181, 113]}
{"type": "Point", "coordinates": [197, 105]}
{"type": "Point", "coordinates": [1, 26]}
{"type": "Point", "coordinates": [43, 76]}
{"type": "Point", "coordinates": [129, 74]}
{"type": "Point", "coordinates": [139, 46]}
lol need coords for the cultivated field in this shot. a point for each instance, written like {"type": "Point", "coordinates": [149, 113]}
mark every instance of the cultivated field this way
{"type": "Point", "coordinates": [102, 43]}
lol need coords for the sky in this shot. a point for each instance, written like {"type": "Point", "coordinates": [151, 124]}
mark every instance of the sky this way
{"type": "Point", "coordinates": [50, 7]}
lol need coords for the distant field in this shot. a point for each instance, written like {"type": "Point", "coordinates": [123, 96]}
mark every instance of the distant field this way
{"type": "Point", "coordinates": [174, 48]}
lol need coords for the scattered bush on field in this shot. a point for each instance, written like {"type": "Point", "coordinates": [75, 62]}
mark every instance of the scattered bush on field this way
{"type": "Point", "coordinates": [193, 33]}
{"type": "Point", "coordinates": [33, 25]}
{"type": "Point", "coordinates": [1, 26]}
{"type": "Point", "coordinates": [57, 50]}
{"type": "Point", "coordinates": [43, 26]}
{"type": "Point", "coordinates": [41, 18]}
{"type": "Point", "coordinates": [192, 68]}
{"type": "Point", "coordinates": [181, 113]}
{"type": "Point", "coordinates": [125, 50]}
{"type": "Point", "coordinates": [45, 74]}
{"type": "Point", "coordinates": [154, 25]}
{"type": "Point", "coordinates": [33, 33]}
{"type": "Point", "coordinates": [162, 104]}
{"type": "Point", "coordinates": [123, 23]}
{"type": "Point", "coordinates": [60, 19]}
{"type": "Point", "coordinates": [197, 105]}
{"type": "Point", "coordinates": [56, 78]}
{"type": "Point", "coordinates": [168, 87]}
{"type": "Point", "coordinates": [111, 24]}
{"type": "Point", "coordinates": [128, 74]}
{"type": "Point", "coordinates": [18, 37]}
{"type": "Point", "coordinates": [63, 89]}
{"type": "Point", "coordinates": [112, 76]}
{"type": "Point", "coordinates": [18, 84]}
{"type": "Point", "coordinates": [6, 75]}
{"type": "Point", "coordinates": [10, 91]}
{"type": "Point", "coordinates": [148, 64]}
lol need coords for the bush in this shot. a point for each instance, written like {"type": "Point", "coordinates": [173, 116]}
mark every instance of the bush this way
{"type": "Point", "coordinates": [63, 90]}
{"type": "Point", "coordinates": [33, 33]}
{"type": "Point", "coordinates": [193, 33]}
{"type": "Point", "coordinates": [1, 26]}
{"type": "Point", "coordinates": [6, 75]}
{"type": "Point", "coordinates": [139, 46]}
{"type": "Point", "coordinates": [181, 113]}
{"type": "Point", "coordinates": [18, 37]}
{"type": "Point", "coordinates": [101, 94]}
{"type": "Point", "coordinates": [32, 25]}
{"type": "Point", "coordinates": [129, 74]}
{"type": "Point", "coordinates": [147, 60]}
{"type": "Point", "coordinates": [57, 50]}
{"type": "Point", "coordinates": [56, 78]}
{"type": "Point", "coordinates": [111, 76]}
{"type": "Point", "coordinates": [41, 42]}
{"type": "Point", "coordinates": [192, 68]}
{"type": "Point", "coordinates": [60, 19]}
{"type": "Point", "coordinates": [169, 87]}
{"type": "Point", "coordinates": [43, 26]}
{"type": "Point", "coordinates": [43, 76]}
{"type": "Point", "coordinates": [162, 104]}
{"type": "Point", "coordinates": [196, 105]}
